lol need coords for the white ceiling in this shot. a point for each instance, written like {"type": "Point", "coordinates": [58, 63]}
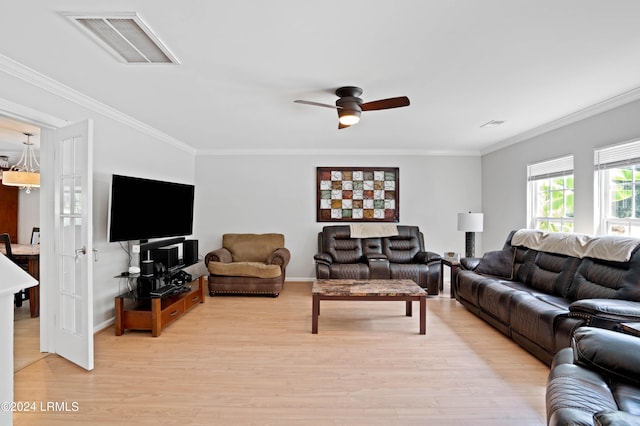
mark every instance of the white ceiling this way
{"type": "Point", "coordinates": [462, 63]}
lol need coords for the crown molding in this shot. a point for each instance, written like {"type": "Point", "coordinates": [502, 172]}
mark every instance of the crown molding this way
{"type": "Point", "coordinates": [590, 111]}
{"type": "Point", "coordinates": [336, 152]}
{"type": "Point", "coordinates": [29, 115]}
{"type": "Point", "coordinates": [31, 76]}
{"type": "Point", "coordinates": [22, 72]}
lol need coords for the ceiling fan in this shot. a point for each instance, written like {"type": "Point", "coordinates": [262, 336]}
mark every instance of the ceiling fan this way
{"type": "Point", "coordinates": [350, 106]}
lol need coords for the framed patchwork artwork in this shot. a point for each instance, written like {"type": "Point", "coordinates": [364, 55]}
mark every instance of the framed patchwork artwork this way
{"type": "Point", "coordinates": [358, 194]}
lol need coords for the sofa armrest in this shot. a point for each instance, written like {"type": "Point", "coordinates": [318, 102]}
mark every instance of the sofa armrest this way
{"type": "Point", "coordinates": [469, 263]}
{"type": "Point", "coordinates": [374, 257]}
{"type": "Point", "coordinates": [426, 257]}
{"type": "Point", "coordinates": [220, 255]}
{"type": "Point", "coordinates": [605, 313]}
{"type": "Point", "coordinates": [615, 418]}
{"type": "Point", "coordinates": [279, 257]}
{"type": "Point", "coordinates": [378, 266]}
{"type": "Point", "coordinates": [610, 353]}
{"type": "Point", "coordinates": [323, 258]}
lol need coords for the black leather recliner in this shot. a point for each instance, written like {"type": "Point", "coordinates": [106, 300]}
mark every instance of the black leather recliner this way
{"type": "Point", "coordinates": [398, 257]}
{"type": "Point", "coordinates": [596, 381]}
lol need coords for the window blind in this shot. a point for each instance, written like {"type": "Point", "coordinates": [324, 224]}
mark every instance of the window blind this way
{"type": "Point", "coordinates": [620, 155]}
{"type": "Point", "coordinates": [557, 167]}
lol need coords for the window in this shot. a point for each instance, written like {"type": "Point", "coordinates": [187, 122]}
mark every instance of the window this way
{"type": "Point", "coordinates": [550, 195]}
{"type": "Point", "coordinates": [617, 170]}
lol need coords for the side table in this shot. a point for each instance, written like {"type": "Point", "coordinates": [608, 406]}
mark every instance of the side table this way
{"type": "Point", "coordinates": [454, 264]}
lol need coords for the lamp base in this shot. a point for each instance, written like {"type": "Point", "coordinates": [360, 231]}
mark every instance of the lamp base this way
{"type": "Point", "coordinates": [470, 244]}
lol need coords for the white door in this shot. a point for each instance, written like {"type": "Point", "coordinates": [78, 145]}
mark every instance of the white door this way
{"type": "Point", "coordinates": [72, 266]}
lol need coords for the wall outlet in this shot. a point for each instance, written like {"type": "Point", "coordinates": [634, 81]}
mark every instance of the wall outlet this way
{"type": "Point", "coordinates": [135, 248]}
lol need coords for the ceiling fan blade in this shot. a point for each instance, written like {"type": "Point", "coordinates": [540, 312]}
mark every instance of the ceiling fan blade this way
{"type": "Point", "coordinates": [316, 104]}
{"type": "Point", "coordinates": [389, 103]}
{"type": "Point", "coordinates": [343, 126]}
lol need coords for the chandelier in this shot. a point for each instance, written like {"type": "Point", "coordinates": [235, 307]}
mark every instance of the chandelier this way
{"type": "Point", "coordinates": [26, 172]}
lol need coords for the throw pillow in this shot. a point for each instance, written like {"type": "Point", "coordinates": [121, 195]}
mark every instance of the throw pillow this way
{"type": "Point", "coordinates": [497, 263]}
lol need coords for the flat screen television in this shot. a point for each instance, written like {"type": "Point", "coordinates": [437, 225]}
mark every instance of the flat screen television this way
{"type": "Point", "coordinates": [142, 209]}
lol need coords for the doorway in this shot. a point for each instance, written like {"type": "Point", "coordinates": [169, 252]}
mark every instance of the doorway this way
{"type": "Point", "coordinates": [67, 155]}
{"type": "Point", "coordinates": [26, 328]}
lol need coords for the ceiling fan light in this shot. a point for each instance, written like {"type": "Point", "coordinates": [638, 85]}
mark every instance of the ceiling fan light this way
{"type": "Point", "coordinates": [348, 117]}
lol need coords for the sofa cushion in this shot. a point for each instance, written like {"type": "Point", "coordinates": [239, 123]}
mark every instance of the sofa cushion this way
{"type": "Point", "coordinates": [244, 269]}
{"type": "Point", "coordinates": [494, 297]}
{"type": "Point", "coordinates": [524, 260]}
{"type": "Point", "coordinates": [252, 247]}
{"type": "Point", "coordinates": [553, 273]}
{"type": "Point", "coordinates": [337, 242]}
{"type": "Point", "coordinates": [404, 247]}
{"type": "Point", "coordinates": [468, 284]}
{"type": "Point", "coordinates": [534, 319]}
{"type": "Point", "coordinates": [497, 263]}
{"type": "Point", "coordinates": [596, 279]}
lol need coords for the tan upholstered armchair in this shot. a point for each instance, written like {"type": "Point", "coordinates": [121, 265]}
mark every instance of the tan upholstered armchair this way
{"type": "Point", "coordinates": [248, 264]}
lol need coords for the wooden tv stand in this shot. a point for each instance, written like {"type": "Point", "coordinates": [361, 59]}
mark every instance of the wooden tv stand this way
{"type": "Point", "coordinates": [156, 313]}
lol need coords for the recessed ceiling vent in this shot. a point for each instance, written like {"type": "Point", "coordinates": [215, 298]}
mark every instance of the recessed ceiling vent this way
{"type": "Point", "coordinates": [126, 36]}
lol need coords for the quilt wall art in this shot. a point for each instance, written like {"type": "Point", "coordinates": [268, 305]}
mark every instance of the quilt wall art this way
{"type": "Point", "coordinates": [358, 194]}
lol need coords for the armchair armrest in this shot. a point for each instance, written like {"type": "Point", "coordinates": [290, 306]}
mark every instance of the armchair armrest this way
{"type": "Point", "coordinates": [220, 255]}
{"type": "Point", "coordinates": [279, 257]}
{"type": "Point", "coordinates": [323, 258]}
{"type": "Point", "coordinates": [427, 257]}
{"type": "Point", "coordinates": [605, 313]}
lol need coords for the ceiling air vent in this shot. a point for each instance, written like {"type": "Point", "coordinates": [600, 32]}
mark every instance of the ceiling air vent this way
{"type": "Point", "coordinates": [126, 36]}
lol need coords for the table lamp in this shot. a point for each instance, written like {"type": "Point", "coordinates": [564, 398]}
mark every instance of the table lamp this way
{"type": "Point", "coordinates": [470, 223]}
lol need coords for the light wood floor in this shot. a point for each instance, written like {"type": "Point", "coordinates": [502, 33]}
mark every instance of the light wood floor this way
{"type": "Point", "coordinates": [254, 361]}
{"type": "Point", "coordinates": [26, 336]}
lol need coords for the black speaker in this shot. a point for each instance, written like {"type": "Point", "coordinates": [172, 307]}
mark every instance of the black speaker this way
{"type": "Point", "coordinates": [145, 286]}
{"type": "Point", "coordinates": [168, 256]}
{"type": "Point", "coordinates": [190, 252]}
{"type": "Point", "coordinates": [147, 267]}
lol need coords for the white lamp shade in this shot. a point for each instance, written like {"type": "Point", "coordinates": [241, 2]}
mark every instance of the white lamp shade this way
{"type": "Point", "coordinates": [18, 178]}
{"type": "Point", "coordinates": [470, 222]}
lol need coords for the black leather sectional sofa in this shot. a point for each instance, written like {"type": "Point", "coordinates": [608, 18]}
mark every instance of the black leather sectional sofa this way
{"type": "Point", "coordinates": [541, 287]}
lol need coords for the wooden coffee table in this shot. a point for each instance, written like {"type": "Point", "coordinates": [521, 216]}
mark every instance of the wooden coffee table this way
{"type": "Point", "coordinates": [397, 290]}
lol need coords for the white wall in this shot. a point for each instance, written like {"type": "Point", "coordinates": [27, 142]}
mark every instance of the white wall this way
{"type": "Point", "coordinates": [504, 172]}
{"type": "Point", "coordinates": [277, 193]}
{"type": "Point", "coordinates": [118, 148]}
{"type": "Point", "coordinates": [28, 214]}
{"type": "Point", "coordinates": [122, 150]}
